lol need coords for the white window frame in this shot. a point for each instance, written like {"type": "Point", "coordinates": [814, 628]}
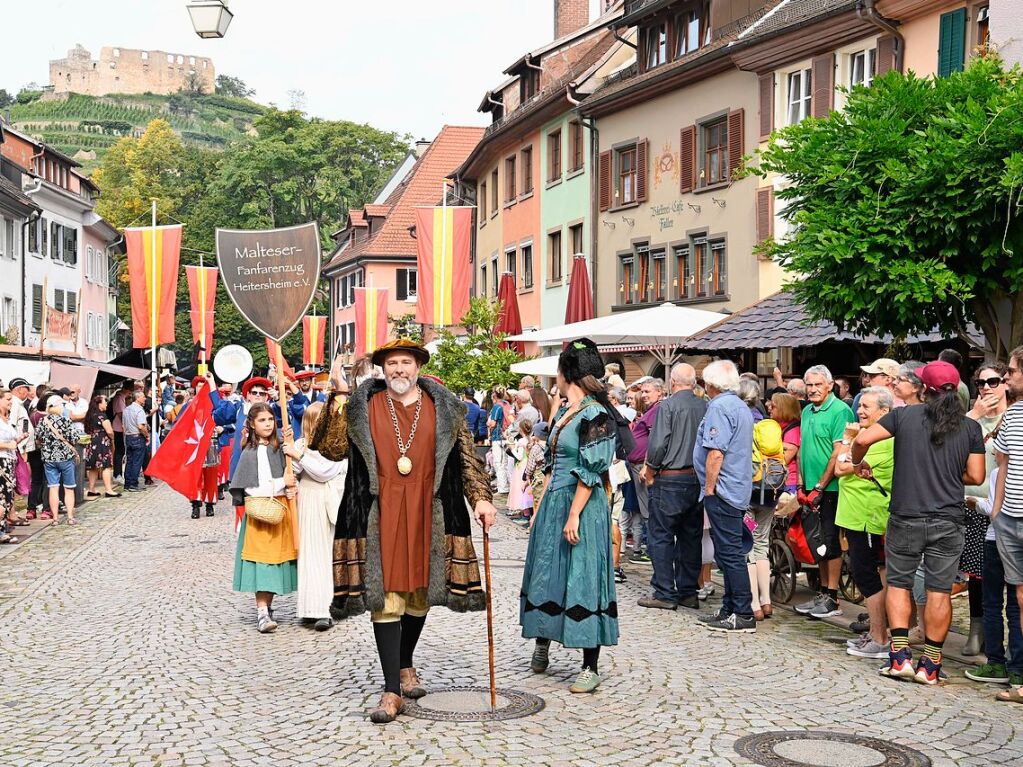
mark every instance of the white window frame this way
{"type": "Point", "coordinates": [868, 59]}
{"type": "Point", "coordinates": [798, 105]}
{"type": "Point", "coordinates": [8, 313]}
{"type": "Point", "coordinates": [3, 237]}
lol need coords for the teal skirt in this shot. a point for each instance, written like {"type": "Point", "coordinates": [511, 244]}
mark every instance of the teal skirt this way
{"type": "Point", "coordinates": [568, 592]}
{"type": "Point", "coordinates": [250, 577]}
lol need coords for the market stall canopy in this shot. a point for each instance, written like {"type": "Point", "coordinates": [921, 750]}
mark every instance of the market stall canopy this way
{"type": "Point", "coordinates": [660, 326]}
{"type": "Point", "coordinates": [540, 366]}
{"type": "Point", "coordinates": [781, 321]}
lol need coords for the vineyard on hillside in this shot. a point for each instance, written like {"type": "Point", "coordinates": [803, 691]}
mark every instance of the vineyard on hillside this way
{"type": "Point", "coordinates": [76, 123]}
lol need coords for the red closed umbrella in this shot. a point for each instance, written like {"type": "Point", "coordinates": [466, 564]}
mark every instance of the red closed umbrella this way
{"type": "Point", "coordinates": [580, 294]}
{"type": "Point", "coordinates": [509, 321]}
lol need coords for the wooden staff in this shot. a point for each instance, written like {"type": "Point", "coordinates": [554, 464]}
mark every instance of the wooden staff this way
{"type": "Point", "coordinates": [282, 399]}
{"type": "Point", "coordinates": [490, 619]}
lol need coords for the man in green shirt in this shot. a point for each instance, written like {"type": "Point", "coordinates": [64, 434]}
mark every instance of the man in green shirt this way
{"type": "Point", "coordinates": [821, 428]}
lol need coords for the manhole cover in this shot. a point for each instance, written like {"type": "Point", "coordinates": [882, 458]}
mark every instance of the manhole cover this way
{"type": "Point", "coordinates": [826, 749]}
{"type": "Point", "coordinates": [472, 704]}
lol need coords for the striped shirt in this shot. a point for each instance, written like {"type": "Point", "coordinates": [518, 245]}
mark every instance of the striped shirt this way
{"type": "Point", "coordinates": [1010, 442]}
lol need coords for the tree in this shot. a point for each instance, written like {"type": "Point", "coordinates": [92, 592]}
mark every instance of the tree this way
{"type": "Point", "coordinates": [476, 359]}
{"type": "Point", "coordinates": [903, 208]}
{"type": "Point", "coordinates": [6, 99]}
{"type": "Point", "coordinates": [406, 326]}
{"type": "Point", "coordinates": [233, 86]}
{"type": "Point", "coordinates": [193, 84]}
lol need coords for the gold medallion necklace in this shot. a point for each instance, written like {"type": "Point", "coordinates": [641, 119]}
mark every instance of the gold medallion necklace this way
{"type": "Point", "coordinates": [404, 462]}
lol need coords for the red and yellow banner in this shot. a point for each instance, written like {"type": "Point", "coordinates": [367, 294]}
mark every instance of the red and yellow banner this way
{"type": "Point", "coordinates": [314, 331]}
{"type": "Point", "coordinates": [272, 352]}
{"type": "Point", "coordinates": [202, 291]}
{"type": "Point", "coordinates": [443, 238]}
{"type": "Point", "coordinates": [370, 320]}
{"type": "Point", "coordinates": [153, 255]}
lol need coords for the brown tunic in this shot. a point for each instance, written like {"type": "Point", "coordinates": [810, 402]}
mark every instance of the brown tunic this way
{"type": "Point", "coordinates": [406, 501]}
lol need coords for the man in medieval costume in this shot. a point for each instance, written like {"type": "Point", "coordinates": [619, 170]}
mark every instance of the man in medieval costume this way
{"type": "Point", "coordinates": [302, 396]}
{"type": "Point", "coordinates": [403, 541]}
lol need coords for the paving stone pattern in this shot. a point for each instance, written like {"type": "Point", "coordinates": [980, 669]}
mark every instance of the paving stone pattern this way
{"type": "Point", "coordinates": [124, 645]}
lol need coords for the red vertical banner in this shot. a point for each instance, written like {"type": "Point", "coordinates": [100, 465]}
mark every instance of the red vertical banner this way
{"type": "Point", "coordinates": [314, 330]}
{"type": "Point", "coordinates": [202, 291]}
{"type": "Point", "coordinates": [370, 320]}
{"type": "Point", "coordinates": [153, 254]}
{"type": "Point", "coordinates": [443, 240]}
{"type": "Point", "coordinates": [271, 353]}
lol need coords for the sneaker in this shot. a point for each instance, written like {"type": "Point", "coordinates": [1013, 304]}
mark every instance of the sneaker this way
{"type": "Point", "coordinates": [927, 671]}
{"type": "Point", "coordinates": [541, 658]}
{"type": "Point", "coordinates": [658, 604]}
{"type": "Point", "coordinates": [900, 665]}
{"type": "Point", "coordinates": [630, 542]}
{"type": "Point", "coordinates": [861, 639]}
{"type": "Point", "coordinates": [989, 672]}
{"type": "Point", "coordinates": [266, 624]}
{"type": "Point", "coordinates": [806, 607]}
{"type": "Point", "coordinates": [706, 591]}
{"type": "Point", "coordinates": [640, 556]}
{"type": "Point", "coordinates": [826, 608]}
{"type": "Point", "coordinates": [587, 681]}
{"type": "Point", "coordinates": [735, 624]}
{"type": "Point", "coordinates": [619, 575]}
{"type": "Point", "coordinates": [868, 649]}
{"type": "Point", "coordinates": [713, 617]}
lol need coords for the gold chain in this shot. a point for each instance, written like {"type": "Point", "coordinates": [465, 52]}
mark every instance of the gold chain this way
{"type": "Point", "coordinates": [403, 448]}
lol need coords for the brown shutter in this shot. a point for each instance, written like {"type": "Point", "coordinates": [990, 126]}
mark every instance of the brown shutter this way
{"type": "Point", "coordinates": [605, 180]}
{"type": "Point", "coordinates": [642, 154]}
{"type": "Point", "coordinates": [765, 213]}
{"type": "Point", "coordinates": [885, 54]}
{"type": "Point", "coordinates": [687, 159]}
{"type": "Point", "coordinates": [766, 105]}
{"type": "Point", "coordinates": [736, 143]}
{"type": "Point", "coordinates": [823, 100]}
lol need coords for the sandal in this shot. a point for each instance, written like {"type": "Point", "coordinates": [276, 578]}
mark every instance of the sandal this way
{"type": "Point", "coordinates": [1012, 695]}
{"type": "Point", "coordinates": [17, 522]}
{"type": "Point", "coordinates": [72, 521]}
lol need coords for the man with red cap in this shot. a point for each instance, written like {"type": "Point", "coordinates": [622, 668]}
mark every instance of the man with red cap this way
{"type": "Point", "coordinates": [938, 450]}
{"type": "Point", "coordinates": [403, 542]}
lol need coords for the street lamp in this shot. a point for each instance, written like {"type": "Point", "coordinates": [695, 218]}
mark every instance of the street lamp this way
{"type": "Point", "coordinates": [210, 18]}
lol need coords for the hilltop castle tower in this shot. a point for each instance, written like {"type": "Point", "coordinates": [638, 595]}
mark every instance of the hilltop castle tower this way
{"type": "Point", "coordinates": [126, 70]}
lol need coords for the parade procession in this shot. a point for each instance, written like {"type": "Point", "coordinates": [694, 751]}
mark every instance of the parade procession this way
{"type": "Point", "coordinates": [441, 388]}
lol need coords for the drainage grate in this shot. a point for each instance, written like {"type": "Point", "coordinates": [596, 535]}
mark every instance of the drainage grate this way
{"type": "Point", "coordinates": [472, 704]}
{"type": "Point", "coordinates": [826, 749]}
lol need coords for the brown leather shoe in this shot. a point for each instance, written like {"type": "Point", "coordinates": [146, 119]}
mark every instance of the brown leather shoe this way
{"type": "Point", "coordinates": [410, 686]}
{"type": "Point", "coordinates": [388, 709]}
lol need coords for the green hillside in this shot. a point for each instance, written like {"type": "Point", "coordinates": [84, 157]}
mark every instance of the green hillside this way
{"type": "Point", "coordinates": [75, 122]}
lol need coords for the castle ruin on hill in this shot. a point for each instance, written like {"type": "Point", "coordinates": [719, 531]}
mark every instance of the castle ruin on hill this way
{"type": "Point", "coordinates": [126, 70]}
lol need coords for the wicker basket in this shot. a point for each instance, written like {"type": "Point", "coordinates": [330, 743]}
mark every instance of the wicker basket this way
{"type": "Point", "coordinates": [267, 510]}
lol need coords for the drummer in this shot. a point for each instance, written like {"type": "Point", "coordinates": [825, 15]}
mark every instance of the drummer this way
{"type": "Point", "coordinates": [303, 397]}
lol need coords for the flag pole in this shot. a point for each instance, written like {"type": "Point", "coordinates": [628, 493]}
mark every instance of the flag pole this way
{"type": "Point", "coordinates": [202, 317]}
{"type": "Point", "coordinates": [153, 333]}
{"type": "Point", "coordinates": [443, 250]}
{"type": "Point", "coordinates": [283, 401]}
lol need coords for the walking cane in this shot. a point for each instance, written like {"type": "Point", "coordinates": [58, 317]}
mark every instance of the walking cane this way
{"type": "Point", "coordinates": [490, 619]}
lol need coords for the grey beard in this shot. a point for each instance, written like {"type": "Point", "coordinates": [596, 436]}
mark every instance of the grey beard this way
{"type": "Point", "coordinates": [401, 386]}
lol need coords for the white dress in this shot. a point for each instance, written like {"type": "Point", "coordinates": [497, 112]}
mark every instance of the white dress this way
{"type": "Point", "coordinates": [320, 487]}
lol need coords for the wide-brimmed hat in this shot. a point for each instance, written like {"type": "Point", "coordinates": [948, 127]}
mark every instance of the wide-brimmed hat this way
{"type": "Point", "coordinates": [407, 345]}
{"type": "Point", "coordinates": [305, 375]}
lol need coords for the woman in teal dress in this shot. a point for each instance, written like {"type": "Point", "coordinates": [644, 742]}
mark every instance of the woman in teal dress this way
{"type": "Point", "coordinates": [568, 590]}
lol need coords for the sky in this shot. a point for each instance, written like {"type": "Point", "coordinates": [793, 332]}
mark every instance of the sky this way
{"type": "Point", "coordinates": [398, 65]}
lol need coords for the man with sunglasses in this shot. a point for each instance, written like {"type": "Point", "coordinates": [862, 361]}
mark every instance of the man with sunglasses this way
{"type": "Point", "coordinates": [1007, 509]}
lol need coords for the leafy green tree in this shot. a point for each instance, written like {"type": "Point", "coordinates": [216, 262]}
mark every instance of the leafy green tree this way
{"type": "Point", "coordinates": [406, 326]}
{"type": "Point", "coordinates": [233, 86]}
{"type": "Point", "coordinates": [6, 99]}
{"type": "Point", "coordinates": [904, 207]}
{"type": "Point", "coordinates": [477, 358]}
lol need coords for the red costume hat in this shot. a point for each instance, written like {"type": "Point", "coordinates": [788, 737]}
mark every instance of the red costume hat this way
{"type": "Point", "coordinates": [305, 375]}
{"type": "Point", "coordinates": [257, 381]}
{"type": "Point", "coordinates": [196, 381]}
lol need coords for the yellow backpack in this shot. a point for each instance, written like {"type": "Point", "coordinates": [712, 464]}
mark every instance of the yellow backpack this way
{"type": "Point", "coordinates": [770, 471]}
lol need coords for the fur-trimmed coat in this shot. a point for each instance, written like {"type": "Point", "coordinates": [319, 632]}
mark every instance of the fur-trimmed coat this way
{"type": "Point", "coordinates": [454, 570]}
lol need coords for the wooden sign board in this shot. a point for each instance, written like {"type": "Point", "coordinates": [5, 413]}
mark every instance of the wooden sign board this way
{"type": "Point", "coordinates": [271, 274]}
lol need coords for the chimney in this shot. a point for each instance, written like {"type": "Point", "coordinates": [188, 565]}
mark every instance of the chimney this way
{"type": "Point", "coordinates": [421, 146]}
{"type": "Point", "coordinates": [569, 16]}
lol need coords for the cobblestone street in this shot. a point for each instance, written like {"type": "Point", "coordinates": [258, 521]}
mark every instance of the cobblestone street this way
{"type": "Point", "coordinates": [124, 645]}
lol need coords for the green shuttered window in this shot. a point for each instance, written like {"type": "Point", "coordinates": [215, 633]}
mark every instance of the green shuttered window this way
{"type": "Point", "coordinates": [952, 42]}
